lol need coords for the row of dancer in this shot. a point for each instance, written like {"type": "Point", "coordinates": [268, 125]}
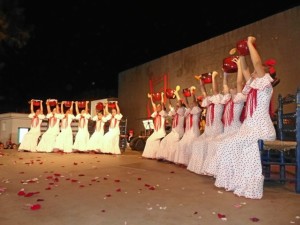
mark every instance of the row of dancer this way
{"type": "Point", "coordinates": [235, 121]}
{"type": "Point", "coordinates": [59, 135]}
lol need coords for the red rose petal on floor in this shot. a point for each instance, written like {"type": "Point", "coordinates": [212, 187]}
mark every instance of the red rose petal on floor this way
{"type": "Point", "coordinates": [75, 163]}
{"type": "Point", "coordinates": [57, 175]}
{"type": "Point", "coordinates": [172, 172]}
{"type": "Point", "coordinates": [74, 180]}
{"type": "Point", "coordinates": [51, 183]}
{"type": "Point", "coordinates": [56, 179]}
{"type": "Point", "coordinates": [117, 180]}
{"type": "Point", "coordinates": [195, 213]}
{"type": "Point", "coordinates": [147, 185]}
{"type": "Point", "coordinates": [254, 219]}
{"type": "Point", "coordinates": [68, 178]}
{"type": "Point", "coordinates": [49, 177]}
{"type": "Point", "coordinates": [21, 193]}
{"type": "Point", "coordinates": [81, 175]}
{"type": "Point", "coordinates": [48, 188]}
{"type": "Point", "coordinates": [139, 178]}
{"type": "Point", "coordinates": [104, 178]}
{"type": "Point", "coordinates": [41, 162]}
{"type": "Point", "coordinates": [28, 194]}
{"type": "Point", "coordinates": [108, 195]}
{"type": "Point", "coordinates": [118, 190]}
{"type": "Point", "coordinates": [103, 210]}
{"type": "Point", "coordinates": [21, 173]}
{"type": "Point", "coordinates": [35, 207]}
{"type": "Point", "coordinates": [40, 200]}
{"type": "Point", "coordinates": [220, 216]}
{"type": "Point", "coordinates": [152, 188]}
{"type": "Point", "coordinates": [81, 185]}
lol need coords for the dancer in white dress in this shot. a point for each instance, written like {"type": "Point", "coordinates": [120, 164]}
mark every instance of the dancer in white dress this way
{"type": "Point", "coordinates": [213, 127]}
{"type": "Point", "coordinates": [95, 141]}
{"type": "Point", "coordinates": [47, 141]}
{"type": "Point", "coordinates": [168, 144]}
{"type": "Point", "coordinates": [30, 139]}
{"type": "Point", "coordinates": [64, 140]}
{"type": "Point", "coordinates": [111, 139]}
{"type": "Point", "coordinates": [82, 135]}
{"type": "Point", "coordinates": [192, 131]}
{"type": "Point", "coordinates": [159, 115]}
{"type": "Point", "coordinates": [238, 159]}
{"type": "Point", "coordinates": [234, 103]}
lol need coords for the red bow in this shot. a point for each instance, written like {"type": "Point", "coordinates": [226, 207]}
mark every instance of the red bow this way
{"type": "Point", "coordinates": [251, 102]}
{"type": "Point", "coordinates": [227, 117]}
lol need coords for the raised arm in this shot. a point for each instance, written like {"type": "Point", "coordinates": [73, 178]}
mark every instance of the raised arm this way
{"type": "Point", "coordinates": [31, 106]}
{"type": "Point", "coordinates": [225, 83]}
{"type": "Point", "coordinates": [244, 68]}
{"type": "Point", "coordinates": [255, 57]}
{"type": "Point", "coordinates": [214, 83]}
{"type": "Point", "coordinates": [202, 88]}
{"type": "Point", "coordinates": [152, 103]}
{"type": "Point", "coordinates": [48, 106]}
{"type": "Point", "coordinates": [117, 107]}
{"type": "Point", "coordinates": [76, 108]}
{"type": "Point", "coordinates": [239, 77]}
{"type": "Point", "coordinates": [41, 107]}
{"type": "Point", "coordinates": [87, 106]}
{"type": "Point", "coordinates": [163, 105]}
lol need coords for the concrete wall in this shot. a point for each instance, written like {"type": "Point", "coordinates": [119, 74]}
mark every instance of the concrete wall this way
{"type": "Point", "coordinates": [9, 124]}
{"type": "Point", "coordinates": [278, 37]}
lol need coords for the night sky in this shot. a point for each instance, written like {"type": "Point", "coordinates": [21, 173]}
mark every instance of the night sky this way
{"type": "Point", "coordinates": [74, 50]}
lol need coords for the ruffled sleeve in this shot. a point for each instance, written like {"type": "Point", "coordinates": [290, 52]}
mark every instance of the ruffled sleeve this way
{"type": "Point", "coordinates": [258, 83]}
{"type": "Point", "coordinates": [153, 115]}
{"type": "Point", "coordinates": [216, 99]}
{"type": "Point", "coordinates": [119, 116]}
{"type": "Point", "coordinates": [225, 98]}
{"type": "Point", "coordinates": [206, 101]}
{"type": "Point", "coordinates": [239, 98]}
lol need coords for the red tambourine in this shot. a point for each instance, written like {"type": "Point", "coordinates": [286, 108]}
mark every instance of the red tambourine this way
{"type": "Point", "coordinates": [52, 102]}
{"type": "Point", "coordinates": [156, 96]}
{"type": "Point", "coordinates": [228, 65]}
{"type": "Point", "coordinates": [242, 47]}
{"type": "Point", "coordinates": [68, 103]}
{"type": "Point", "coordinates": [81, 104]}
{"type": "Point", "coordinates": [99, 106]}
{"type": "Point", "coordinates": [36, 102]}
{"type": "Point", "coordinates": [186, 92]}
{"type": "Point", "coordinates": [206, 78]}
{"type": "Point", "coordinates": [111, 105]}
{"type": "Point", "coordinates": [170, 93]}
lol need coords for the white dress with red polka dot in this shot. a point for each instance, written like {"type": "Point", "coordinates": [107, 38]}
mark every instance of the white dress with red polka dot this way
{"type": "Point", "coordinates": [168, 143]}
{"type": "Point", "coordinates": [213, 127]}
{"type": "Point", "coordinates": [238, 159]}
{"type": "Point", "coordinates": [192, 131]}
{"type": "Point", "coordinates": [233, 108]}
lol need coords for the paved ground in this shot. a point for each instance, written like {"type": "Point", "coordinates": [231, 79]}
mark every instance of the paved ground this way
{"type": "Point", "coordinates": [97, 189]}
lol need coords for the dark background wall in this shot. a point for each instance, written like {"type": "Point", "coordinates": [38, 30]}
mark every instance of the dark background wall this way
{"type": "Point", "coordinates": [277, 36]}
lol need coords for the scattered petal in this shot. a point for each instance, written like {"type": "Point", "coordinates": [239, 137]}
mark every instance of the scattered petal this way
{"type": "Point", "coordinates": [254, 219]}
{"type": "Point", "coordinates": [117, 181]}
{"type": "Point", "coordinates": [220, 216]}
{"type": "Point", "coordinates": [139, 178]}
{"type": "Point", "coordinates": [81, 175]}
{"type": "Point", "coordinates": [103, 210]}
{"type": "Point", "coordinates": [118, 190]}
{"type": "Point", "coordinates": [35, 207]}
{"type": "Point", "coordinates": [40, 200]}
